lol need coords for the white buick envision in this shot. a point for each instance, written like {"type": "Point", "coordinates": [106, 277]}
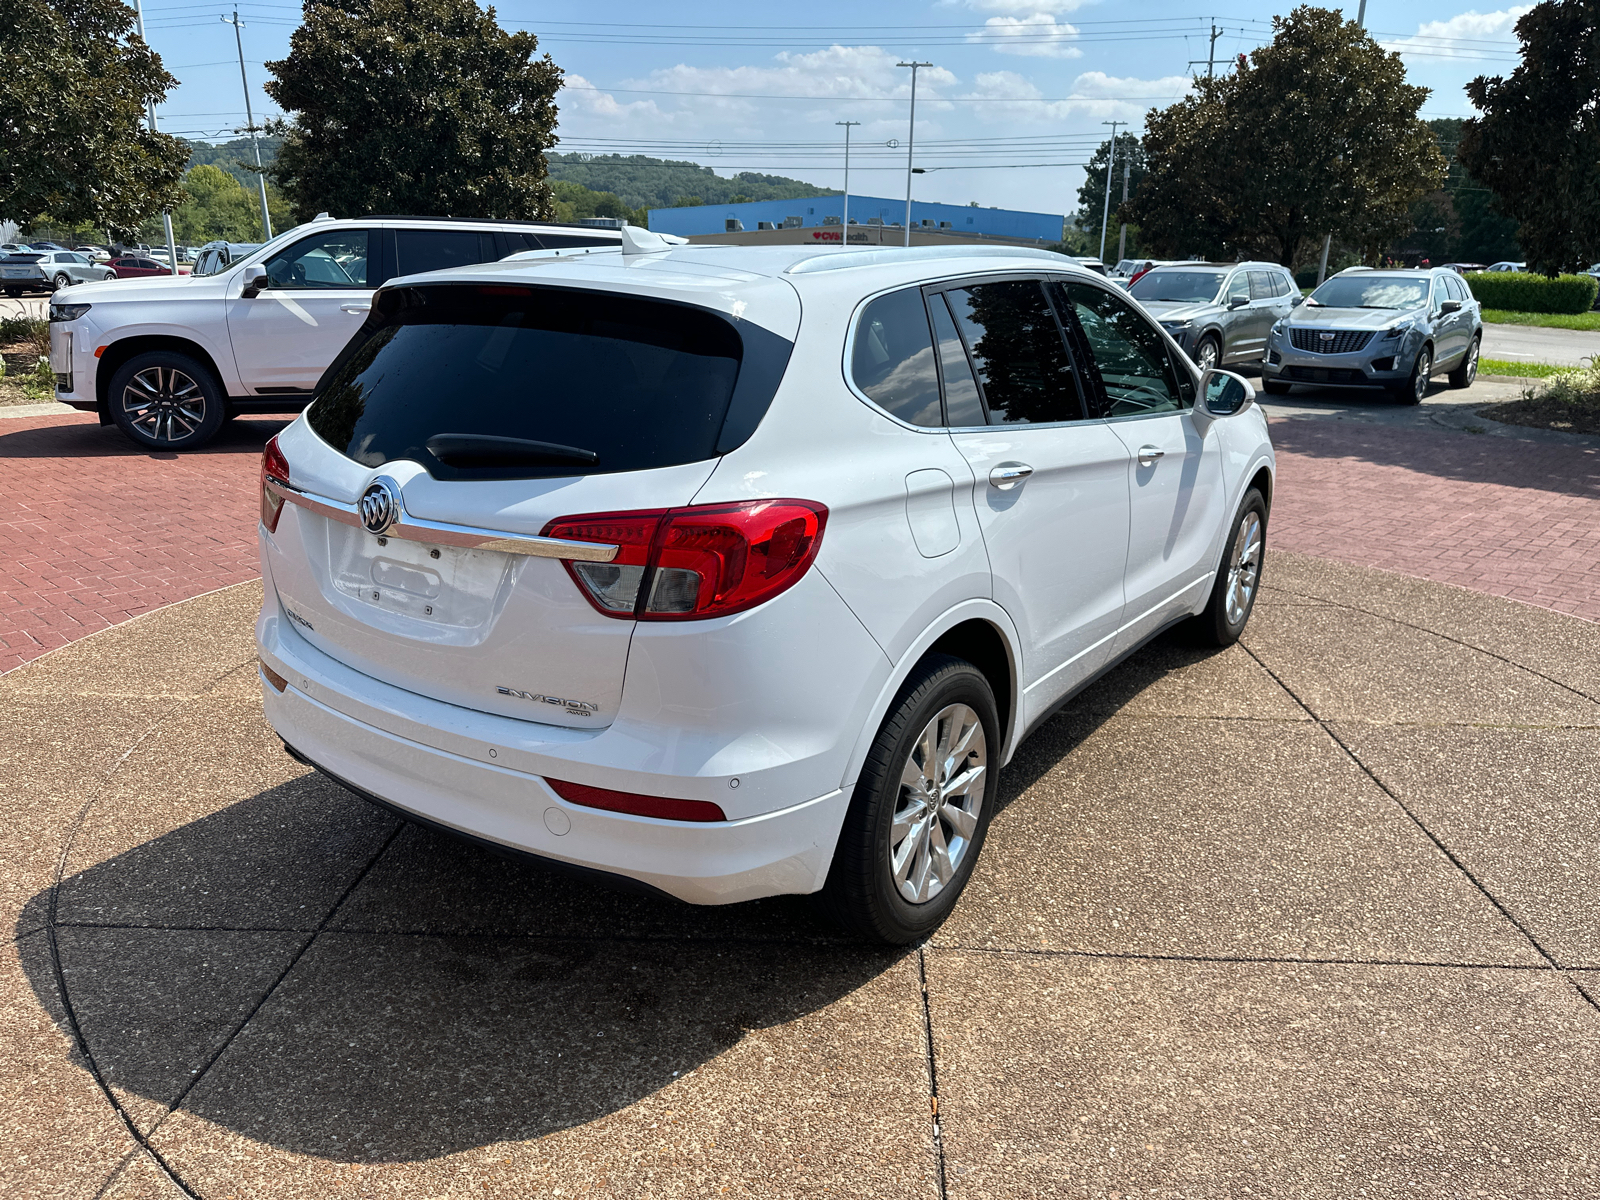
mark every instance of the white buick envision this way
{"type": "Point", "coordinates": [741, 571]}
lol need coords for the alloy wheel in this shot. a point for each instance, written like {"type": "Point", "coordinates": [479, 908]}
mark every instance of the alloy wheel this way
{"type": "Point", "coordinates": [164, 403]}
{"type": "Point", "coordinates": [1472, 362]}
{"type": "Point", "coordinates": [62, 281]}
{"type": "Point", "coordinates": [1424, 365]}
{"type": "Point", "coordinates": [1244, 568]}
{"type": "Point", "coordinates": [942, 788]}
{"type": "Point", "coordinates": [1207, 351]}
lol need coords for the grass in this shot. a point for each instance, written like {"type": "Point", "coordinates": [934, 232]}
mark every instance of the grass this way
{"type": "Point", "coordinates": [1522, 370]}
{"type": "Point", "coordinates": [1568, 401]}
{"type": "Point", "coordinates": [1588, 322]}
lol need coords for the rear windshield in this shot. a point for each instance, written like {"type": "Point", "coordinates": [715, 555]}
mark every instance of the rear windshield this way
{"type": "Point", "coordinates": [498, 382]}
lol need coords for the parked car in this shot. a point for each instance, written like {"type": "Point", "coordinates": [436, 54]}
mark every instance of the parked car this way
{"type": "Point", "coordinates": [1463, 268]}
{"type": "Point", "coordinates": [47, 245]}
{"type": "Point", "coordinates": [256, 336]}
{"type": "Point", "coordinates": [606, 561]}
{"type": "Point", "coordinates": [1389, 329]}
{"type": "Point", "coordinates": [1507, 266]}
{"type": "Point", "coordinates": [215, 256]}
{"type": "Point", "coordinates": [99, 254]}
{"type": "Point", "coordinates": [15, 248]}
{"type": "Point", "coordinates": [1218, 312]}
{"type": "Point", "coordinates": [48, 271]}
{"type": "Point", "coordinates": [138, 267]}
{"type": "Point", "coordinates": [1092, 264]}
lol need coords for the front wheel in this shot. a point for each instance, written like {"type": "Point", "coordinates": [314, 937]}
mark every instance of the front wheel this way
{"type": "Point", "coordinates": [1416, 387]}
{"type": "Point", "coordinates": [1208, 353]}
{"type": "Point", "coordinates": [166, 401]}
{"type": "Point", "coordinates": [62, 280]}
{"type": "Point", "coordinates": [1233, 595]}
{"type": "Point", "coordinates": [1463, 375]}
{"type": "Point", "coordinates": [921, 807]}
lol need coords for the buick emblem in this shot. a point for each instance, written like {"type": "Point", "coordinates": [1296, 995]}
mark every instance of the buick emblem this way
{"type": "Point", "coordinates": [380, 507]}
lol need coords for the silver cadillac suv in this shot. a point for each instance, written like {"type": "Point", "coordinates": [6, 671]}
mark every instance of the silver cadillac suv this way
{"type": "Point", "coordinates": [1388, 329]}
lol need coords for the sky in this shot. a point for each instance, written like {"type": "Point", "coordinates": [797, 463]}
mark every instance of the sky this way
{"type": "Point", "coordinates": [1015, 102]}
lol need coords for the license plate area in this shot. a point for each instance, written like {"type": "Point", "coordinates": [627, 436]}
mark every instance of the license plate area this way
{"type": "Point", "coordinates": [436, 591]}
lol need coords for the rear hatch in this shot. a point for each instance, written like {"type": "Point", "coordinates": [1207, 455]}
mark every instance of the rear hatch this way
{"type": "Point", "coordinates": [499, 409]}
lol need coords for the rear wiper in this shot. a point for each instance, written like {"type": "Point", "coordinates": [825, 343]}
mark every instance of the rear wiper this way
{"type": "Point", "coordinates": [487, 450]}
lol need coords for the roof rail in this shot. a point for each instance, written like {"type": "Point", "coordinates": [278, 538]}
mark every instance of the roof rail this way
{"type": "Point", "coordinates": [841, 260]}
{"type": "Point", "coordinates": [472, 221]}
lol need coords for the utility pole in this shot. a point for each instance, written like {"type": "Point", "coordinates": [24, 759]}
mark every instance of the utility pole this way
{"type": "Point", "coordinates": [1327, 241]}
{"type": "Point", "coordinates": [261, 179]}
{"type": "Point", "coordinates": [1211, 51]}
{"type": "Point", "coordinates": [150, 115]}
{"type": "Point", "coordinates": [844, 221]}
{"type": "Point", "coordinates": [1122, 231]}
{"type": "Point", "coordinates": [1111, 158]}
{"type": "Point", "coordinates": [911, 138]}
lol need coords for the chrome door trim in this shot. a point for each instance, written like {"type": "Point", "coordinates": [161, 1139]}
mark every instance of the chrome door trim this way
{"type": "Point", "coordinates": [441, 533]}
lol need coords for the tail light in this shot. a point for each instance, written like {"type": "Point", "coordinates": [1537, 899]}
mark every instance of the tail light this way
{"type": "Point", "coordinates": [273, 466]}
{"type": "Point", "coordinates": [631, 802]}
{"type": "Point", "coordinates": [686, 564]}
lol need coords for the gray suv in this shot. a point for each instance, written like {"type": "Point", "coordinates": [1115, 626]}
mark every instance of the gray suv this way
{"type": "Point", "coordinates": [1388, 329]}
{"type": "Point", "coordinates": [1218, 312]}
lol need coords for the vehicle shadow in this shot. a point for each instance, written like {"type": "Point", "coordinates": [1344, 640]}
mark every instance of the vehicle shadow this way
{"type": "Point", "coordinates": [304, 969]}
{"type": "Point", "coordinates": [89, 439]}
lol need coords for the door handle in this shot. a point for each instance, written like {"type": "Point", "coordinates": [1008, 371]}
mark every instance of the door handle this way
{"type": "Point", "coordinates": [1149, 454]}
{"type": "Point", "coordinates": [355, 308]}
{"type": "Point", "coordinates": [1008, 474]}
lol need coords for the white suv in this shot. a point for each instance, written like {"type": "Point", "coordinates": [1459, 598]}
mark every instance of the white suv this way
{"type": "Point", "coordinates": [741, 571]}
{"type": "Point", "coordinates": [169, 359]}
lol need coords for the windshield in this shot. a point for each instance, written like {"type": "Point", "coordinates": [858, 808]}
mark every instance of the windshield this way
{"type": "Point", "coordinates": [497, 382]}
{"type": "Point", "coordinates": [1371, 291]}
{"type": "Point", "coordinates": [1192, 287]}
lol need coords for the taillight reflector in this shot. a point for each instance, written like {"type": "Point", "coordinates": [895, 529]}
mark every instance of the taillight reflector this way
{"type": "Point", "coordinates": [640, 806]}
{"type": "Point", "coordinates": [275, 466]}
{"type": "Point", "coordinates": [277, 681]}
{"type": "Point", "coordinates": [686, 564]}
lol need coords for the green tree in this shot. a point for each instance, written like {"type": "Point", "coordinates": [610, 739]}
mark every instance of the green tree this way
{"type": "Point", "coordinates": [73, 87]}
{"type": "Point", "coordinates": [413, 106]}
{"type": "Point", "coordinates": [1537, 145]}
{"type": "Point", "coordinates": [217, 205]}
{"type": "Point", "coordinates": [1092, 195]}
{"type": "Point", "coordinates": [1315, 132]}
{"type": "Point", "coordinates": [574, 202]}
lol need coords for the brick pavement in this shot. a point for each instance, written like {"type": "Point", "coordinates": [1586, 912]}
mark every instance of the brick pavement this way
{"type": "Point", "coordinates": [94, 531]}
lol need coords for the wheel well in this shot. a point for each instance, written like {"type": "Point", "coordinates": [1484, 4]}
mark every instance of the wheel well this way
{"type": "Point", "coordinates": [980, 643]}
{"type": "Point", "coordinates": [120, 352]}
{"type": "Point", "coordinates": [1263, 484]}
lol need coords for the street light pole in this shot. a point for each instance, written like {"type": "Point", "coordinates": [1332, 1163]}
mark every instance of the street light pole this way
{"type": "Point", "coordinates": [150, 113]}
{"type": "Point", "coordinates": [844, 221]}
{"type": "Point", "coordinates": [1111, 158]}
{"type": "Point", "coordinates": [911, 138]}
{"type": "Point", "coordinates": [1122, 226]}
{"type": "Point", "coordinates": [250, 120]}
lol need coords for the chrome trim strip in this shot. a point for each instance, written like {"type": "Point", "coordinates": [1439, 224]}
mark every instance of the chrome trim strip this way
{"type": "Point", "coordinates": [440, 533]}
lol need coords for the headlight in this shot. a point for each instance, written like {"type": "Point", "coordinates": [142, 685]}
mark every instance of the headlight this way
{"type": "Point", "coordinates": [1175, 326]}
{"type": "Point", "coordinates": [67, 312]}
{"type": "Point", "coordinates": [1396, 331]}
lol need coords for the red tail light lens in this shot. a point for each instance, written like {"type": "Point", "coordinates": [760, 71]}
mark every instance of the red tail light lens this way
{"type": "Point", "coordinates": [687, 564]}
{"type": "Point", "coordinates": [640, 806]}
{"type": "Point", "coordinates": [273, 465]}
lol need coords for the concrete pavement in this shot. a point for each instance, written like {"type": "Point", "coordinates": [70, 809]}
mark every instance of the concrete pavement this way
{"type": "Point", "coordinates": [1529, 343]}
{"type": "Point", "coordinates": [1307, 917]}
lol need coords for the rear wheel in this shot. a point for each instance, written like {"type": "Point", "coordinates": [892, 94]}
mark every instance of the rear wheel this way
{"type": "Point", "coordinates": [166, 401]}
{"type": "Point", "coordinates": [921, 807]}
{"type": "Point", "coordinates": [1463, 375]}
{"type": "Point", "coordinates": [1233, 595]}
{"type": "Point", "coordinates": [1416, 387]}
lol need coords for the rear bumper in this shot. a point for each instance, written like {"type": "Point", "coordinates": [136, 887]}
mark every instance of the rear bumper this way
{"type": "Point", "coordinates": [787, 851]}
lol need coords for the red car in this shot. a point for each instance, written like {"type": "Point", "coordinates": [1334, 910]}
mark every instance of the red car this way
{"type": "Point", "coordinates": [140, 268]}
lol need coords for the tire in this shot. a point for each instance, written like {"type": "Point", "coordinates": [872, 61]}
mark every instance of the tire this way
{"type": "Point", "coordinates": [14, 293]}
{"type": "Point", "coordinates": [1416, 386]}
{"type": "Point", "coordinates": [946, 703]}
{"type": "Point", "coordinates": [1274, 388]}
{"type": "Point", "coordinates": [1208, 348]}
{"type": "Point", "coordinates": [1233, 595]}
{"type": "Point", "coordinates": [1463, 375]}
{"type": "Point", "coordinates": [62, 280]}
{"type": "Point", "coordinates": [164, 400]}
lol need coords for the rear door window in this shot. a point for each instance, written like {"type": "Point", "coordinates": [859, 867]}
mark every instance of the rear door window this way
{"type": "Point", "coordinates": [436, 249]}
{"type": "Point", "coordinates": [891, 358]}
{"type": "Point", "coordinates": [498, 382]}
{"type": "Point", "coordinates": [1017, 353]}
{"type": "Point", "coordinates": [1261, 286]}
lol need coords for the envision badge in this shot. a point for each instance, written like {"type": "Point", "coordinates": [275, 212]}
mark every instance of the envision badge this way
{"type": "Point", "coordinates": [380, 507]}
{"type": "Point", "coordinates": [578, 708]}
{"type": "Point", "coordinates": [298, 619]}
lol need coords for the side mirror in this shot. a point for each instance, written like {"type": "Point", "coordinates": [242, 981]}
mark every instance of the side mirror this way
{"type": "Point", "coordinates": [1237, 302]}
{"type": "Point", "coordinates": [1449, 306]}
{"type": "Point", "coordinates": [255, 282]}
{"type": "Point", "coordinates": [1297, 302]}
{"type": "Point", "coordinates": [1222, 394]}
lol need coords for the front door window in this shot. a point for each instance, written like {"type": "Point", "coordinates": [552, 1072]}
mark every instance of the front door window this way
{"type": "Point", "coordinates": [337, 259]}
{"type": "Point", "coordinates": [1127, 352]}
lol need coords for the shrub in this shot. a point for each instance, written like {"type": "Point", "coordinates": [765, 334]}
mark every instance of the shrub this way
{"type": "Point", "coordinates": [1519, 291]}
{"type": "Point", "coordinates": [31, 331]}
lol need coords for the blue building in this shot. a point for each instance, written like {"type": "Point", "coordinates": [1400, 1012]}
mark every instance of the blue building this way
{"type": "Point", "coordinates": [954, 219]}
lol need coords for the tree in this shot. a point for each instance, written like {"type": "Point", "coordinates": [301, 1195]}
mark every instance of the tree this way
{"type": "Point", "coordinates": [217, 205]}
{"type": "Point", "coordinates": [72, 100]}
{"type": "Point", "coordinates": [424, 107]}
{"type": "Point", "coordinates": [573, 202]}
{"type": "Point", "coordinates": [1537, 145]}
{"type": "Point", "coordinates": [1092, 195]}
{"type": "Point", "coordinates": [1316, 132]}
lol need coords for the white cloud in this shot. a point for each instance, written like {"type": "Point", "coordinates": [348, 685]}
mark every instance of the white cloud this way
{"type": "Point", "coordinates": [1037, 36]}
{"type": "Point", "coordinates": [1092, 97]}
{"type": "Point", "coordinates": [1467, 35]}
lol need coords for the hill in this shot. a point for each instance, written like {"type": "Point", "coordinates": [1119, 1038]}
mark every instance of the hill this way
{"type": "Point", "coordinates": [229, 155]}
{"type": "Point", "coordinates": [642, 182]}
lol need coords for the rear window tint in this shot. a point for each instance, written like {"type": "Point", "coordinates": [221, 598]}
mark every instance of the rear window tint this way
{"type": "Point", "coordinates": [493, 382]}
{"type": "Point", "coordinates": [422, 250]}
